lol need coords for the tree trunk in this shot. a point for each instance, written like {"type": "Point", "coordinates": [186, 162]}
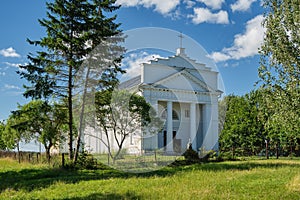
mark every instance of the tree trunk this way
{"type": "Point", "coordinates": [70, 109]}
{"type": "Point", "coordinates": [81, 127]}
{"type": "Point", "coordinates": [18, 149]}
{"type": "Point", "coordinates": [267, 153]}
{"type": "Point", "coordinates": [48, 154]}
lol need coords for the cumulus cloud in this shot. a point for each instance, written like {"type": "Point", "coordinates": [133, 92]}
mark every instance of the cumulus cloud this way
{"type": "Point", "coordinates": [202, 15]}
{"type": "Point", "coordinates": [133, 62]}
{"type": "Point", "coordinates": [161, 6]}
{"type": "Point", "coordinates": [241, 5]}
{"type": "Point", "coordinates": [9, 52]}
{"type": "Point", "coordinates": [244, 45]}
{"type": "Point", "coordinates": [214, 4]}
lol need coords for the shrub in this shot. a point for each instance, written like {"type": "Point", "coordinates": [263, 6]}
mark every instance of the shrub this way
{"type": "Point", "coordinates": [85, 161]}
{"type": "Point", "coordinates": [191, 155]}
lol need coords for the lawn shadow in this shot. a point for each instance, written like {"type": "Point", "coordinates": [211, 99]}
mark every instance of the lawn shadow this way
{"type": "Point", "coordinates": [237, 165]}
{"type": "Point", "coordinates": [108, 196]}
{"type": "Point", "coordinates": [32, 179]}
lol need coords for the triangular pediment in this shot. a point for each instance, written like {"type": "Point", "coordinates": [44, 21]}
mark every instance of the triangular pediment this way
{"type": "Point", "coordinates": [183, 80]}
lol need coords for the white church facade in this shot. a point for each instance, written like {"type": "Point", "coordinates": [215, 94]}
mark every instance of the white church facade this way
{"type": "Point", "coordinates": [185, 95]}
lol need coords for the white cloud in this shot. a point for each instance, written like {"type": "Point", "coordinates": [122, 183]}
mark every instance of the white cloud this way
{"type": "Point", "coordinates": [161, 6]}
{"type": "Point", "coordinates": [218, 56]}
{"type": "Point", "coordinates": [241, 5]}
{"type": "Point", "coordinates": [133, 62]}
{"type": "Point", "coordinates": [15, 65]}
{"type": "Point", "coordinates": [214, 4]}
{"type": "Point", "coordinates": [244, 45]}
{"type": "Point", "coordinates": [9, 52]}
{"type": "Point", "coordinates": [202, 15]}
{"type": "Point", "coordinates": [189, 3]}
{"type": "Point", "coordinates": [11, 87]}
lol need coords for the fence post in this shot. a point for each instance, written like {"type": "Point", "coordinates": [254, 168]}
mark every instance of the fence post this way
{"type": "Point", "coordinates": [63, 159]}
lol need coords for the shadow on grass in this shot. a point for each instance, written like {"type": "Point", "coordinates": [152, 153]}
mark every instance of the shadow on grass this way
{"type": "Point", "coordinates": [31, 179]}
{"type": "Point", "coordinates": [241, 166]}
{"type": "Point", "coordinates": [97, 196]}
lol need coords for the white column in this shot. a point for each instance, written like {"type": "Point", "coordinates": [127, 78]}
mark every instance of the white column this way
{"type": "Point", "coordinates": [169, 126]}
{"type": "Point", "coordinates": [207, 131]}
{"type": "Point", "coordinates": [193, 130]}
{"type": "Point", "coordinates": [154, 104]}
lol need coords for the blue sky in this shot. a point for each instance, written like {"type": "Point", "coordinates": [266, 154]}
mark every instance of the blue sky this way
{"type": "Point", "coordinates": [230, 31]}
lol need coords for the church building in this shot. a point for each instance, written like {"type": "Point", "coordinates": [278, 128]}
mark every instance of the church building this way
{"type": "Point", "coordinates": [185, 94]}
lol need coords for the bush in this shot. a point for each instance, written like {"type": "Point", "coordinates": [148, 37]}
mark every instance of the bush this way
{"type": "Point", "coordinates": [85, 161]}
{"type": "Point", "coordinates": [225, 155]}
{"type": "Point", "coordinates": [191, 155]}
{"type": "Point", "coordinates": [205, 156]}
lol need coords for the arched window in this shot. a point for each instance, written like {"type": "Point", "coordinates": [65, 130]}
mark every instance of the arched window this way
{"type": "Point", "coordinates": [174, 115]}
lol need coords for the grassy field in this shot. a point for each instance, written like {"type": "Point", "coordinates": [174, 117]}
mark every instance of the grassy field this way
{"type": "Point", "coordinates": [255, 179]}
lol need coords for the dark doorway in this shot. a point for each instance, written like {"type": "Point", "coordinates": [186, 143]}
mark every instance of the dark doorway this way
{"type": "Point", "coordinates": [174, 135]}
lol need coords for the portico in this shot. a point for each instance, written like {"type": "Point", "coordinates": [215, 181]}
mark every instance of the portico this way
{"type": "Point", "coordinates": [185, 95]}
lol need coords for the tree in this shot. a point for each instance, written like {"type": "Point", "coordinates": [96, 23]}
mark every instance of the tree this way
{"type": "Point", "coordinates": [241, 127]}
{"type": "Point", "coordinates": [15, 132]}
{"type": "Point", "coordinates": [280, 65]}
{"type": "Point", "coordinates": [44, 122]}
{"type": "Point", "coordinates": [120, 114]}
{"type": "Point", "coordinates": [2, 128]}
{"type": "Point", "coordinates": [74, 28]}
{"type": "Point", "coordinates": [90, 78]}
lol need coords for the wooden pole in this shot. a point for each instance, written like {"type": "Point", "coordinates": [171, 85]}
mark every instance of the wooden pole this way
{"type": "Point", "coordinates": [63, 160]}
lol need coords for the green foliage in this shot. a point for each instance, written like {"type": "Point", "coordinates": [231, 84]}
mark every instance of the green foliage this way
{"type": "Point", "coordinates": [2, 128]}
{"type": "Point", "coordinates": [242, 127]}
{"type": "Point", "coordinates": [280, 70]}
{"type": "Point", "coordinates": [44, 122]}
{"type": "Point", "coordinates": [253, 118]}
{"type": "Point", "coordinates": [86, 161]}
{"type": "Point", "coordinates": [15, 131]}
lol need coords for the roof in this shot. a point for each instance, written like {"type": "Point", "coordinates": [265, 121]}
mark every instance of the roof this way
{"type": "Point", "coordinates": [130, 83]}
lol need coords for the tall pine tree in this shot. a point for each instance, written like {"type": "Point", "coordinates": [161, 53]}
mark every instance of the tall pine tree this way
{"type": "Point", "coordinates": [74, 28]}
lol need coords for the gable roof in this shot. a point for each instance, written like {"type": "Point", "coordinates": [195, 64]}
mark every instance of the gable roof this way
{"type": "Point", "coordinates": [188, 76]}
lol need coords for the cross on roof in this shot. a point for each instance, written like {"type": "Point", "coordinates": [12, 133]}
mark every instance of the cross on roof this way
{"type": "Point", "coordinates": [181, 38]}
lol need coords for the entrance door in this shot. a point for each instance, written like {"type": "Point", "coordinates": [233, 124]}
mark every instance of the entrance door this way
{"type": "Point", "coordinates": [174, 135]}
{"type": "Point", "coordinates": [165, 139]}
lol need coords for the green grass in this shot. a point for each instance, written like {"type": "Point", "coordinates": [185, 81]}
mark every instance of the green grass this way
{"type": "Point", "coordinates": [252, 179]}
